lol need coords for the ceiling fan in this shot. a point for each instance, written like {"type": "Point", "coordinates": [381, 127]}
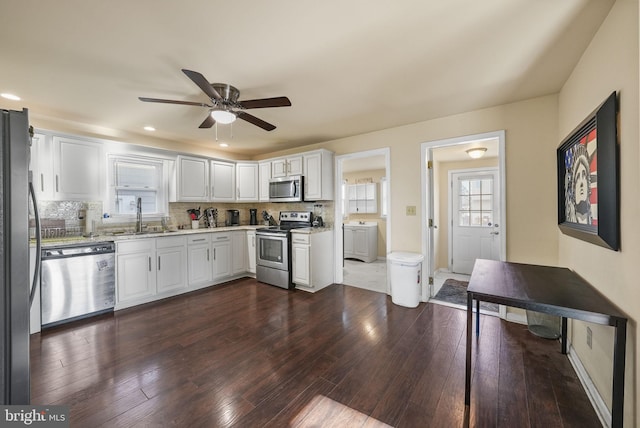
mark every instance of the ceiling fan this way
{"type": "Point", "coordinates": [225, 107]}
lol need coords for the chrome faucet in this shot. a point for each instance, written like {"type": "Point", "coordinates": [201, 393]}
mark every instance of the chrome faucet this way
{"type": "Point", "coordinates": [139, 215]}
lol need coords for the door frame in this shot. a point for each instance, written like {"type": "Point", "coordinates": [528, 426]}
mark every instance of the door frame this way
{"type": "Point", "coordinates": [450, 211]}
{"type": "Point", "coordinates": [427, 202]}
{"type": "Point", "coordinates": [338, 241]}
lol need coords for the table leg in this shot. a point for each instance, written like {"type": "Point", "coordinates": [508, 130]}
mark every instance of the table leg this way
{"type": "Point", "coordinates": [619, 349]}
{"type": "Point", "coordinates": [477, 318]}
{"type": "Point", "coordinates": [563, 339]}
{"type": "Point", "coordinates": [467, 384]}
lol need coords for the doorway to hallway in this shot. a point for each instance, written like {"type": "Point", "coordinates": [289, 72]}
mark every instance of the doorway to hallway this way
{"type": "Point", "coordinates": [464, 203]}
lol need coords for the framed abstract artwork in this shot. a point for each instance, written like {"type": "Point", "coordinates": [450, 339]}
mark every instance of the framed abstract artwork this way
{"type": "Point", "coordinates": [588, 179]}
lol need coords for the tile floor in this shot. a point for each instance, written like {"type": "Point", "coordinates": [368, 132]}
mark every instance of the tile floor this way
{"type": "Point", "coordinates": [370, 276]}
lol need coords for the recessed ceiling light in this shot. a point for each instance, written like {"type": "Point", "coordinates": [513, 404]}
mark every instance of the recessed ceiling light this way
{"type": "Point", "coordinates": [10, 97]}
{"type": "Point", "coordinates": [224, 145]}
{"type": "Point", "coordinates": [149, 128]}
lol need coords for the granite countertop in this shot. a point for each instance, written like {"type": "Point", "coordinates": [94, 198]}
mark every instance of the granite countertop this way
{"type": "Point", "coordinates": [310, 230]}
{"type": "Point", "coordinates": [116, 237]}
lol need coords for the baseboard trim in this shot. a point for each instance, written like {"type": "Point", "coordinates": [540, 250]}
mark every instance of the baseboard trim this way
{"type": "Point", "coordinates": [592, 393]}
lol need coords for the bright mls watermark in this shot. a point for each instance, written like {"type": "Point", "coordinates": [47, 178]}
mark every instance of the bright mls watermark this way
{"type": "Point", "coordinates": [34, 416]}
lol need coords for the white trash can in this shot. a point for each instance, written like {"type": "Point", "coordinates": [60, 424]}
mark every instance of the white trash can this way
{"type": "Point", "coordinates": [405, 275]}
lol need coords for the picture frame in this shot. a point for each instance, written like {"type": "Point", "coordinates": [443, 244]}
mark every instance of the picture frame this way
{"type": "Point", "coordinates": [588, 178]}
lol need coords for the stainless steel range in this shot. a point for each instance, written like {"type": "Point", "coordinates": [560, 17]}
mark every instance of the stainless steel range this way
{"type": "Point", "coordinates": [273, 249]}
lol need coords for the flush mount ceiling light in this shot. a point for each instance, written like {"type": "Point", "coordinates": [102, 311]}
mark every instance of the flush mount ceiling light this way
{"type": "Point", "coordinates": [476, 152]}
{"type": "Point", "coordinates": [224, 145]}
{"type": "Point", "coordinates": [149, 128]}
{"type": "Point", "coordinates": [10, 97]}
{"type": "Point", "coordinates": [223, 116]}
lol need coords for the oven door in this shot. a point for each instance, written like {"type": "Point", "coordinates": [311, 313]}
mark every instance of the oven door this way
{"type": "Point", "coordinates": [272, 250]}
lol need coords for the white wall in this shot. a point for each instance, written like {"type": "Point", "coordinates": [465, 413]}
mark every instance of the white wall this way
{"type": "Point", "coordinates": [609, 64]}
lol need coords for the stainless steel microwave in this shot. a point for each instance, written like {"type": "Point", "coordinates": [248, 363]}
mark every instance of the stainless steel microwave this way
{"type": "Point", "coordinates": [286, 189]}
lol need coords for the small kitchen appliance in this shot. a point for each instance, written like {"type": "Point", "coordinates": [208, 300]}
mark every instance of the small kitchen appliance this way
{"type": "Point", "coordinates": [233, 218]}
{"type": "Point", "coordinates": [253, 216]}
{"type": "Point", "coordinates": [286, 189]}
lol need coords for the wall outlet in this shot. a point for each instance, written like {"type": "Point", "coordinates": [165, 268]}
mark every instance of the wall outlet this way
{"type": "Point", "coordinates": [411, 210]}
{"type": "Point", "coordinates": [589, 338]}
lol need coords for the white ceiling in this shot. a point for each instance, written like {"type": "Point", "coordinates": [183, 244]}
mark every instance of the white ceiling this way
{"type": "Point", "coordinates": [347, 67]}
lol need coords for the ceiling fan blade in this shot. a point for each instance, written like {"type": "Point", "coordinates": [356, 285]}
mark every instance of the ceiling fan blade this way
{"type": "Point", "coordinates": [186, 103]}
{"type": "Point", "coordinates": [202, 83]}
{"type": "Point", "coordinates": [254, 120]}
{"type": "Point", "coordinates": [208, 122]}
{"type": "Point", "coordinates": [266, 102]}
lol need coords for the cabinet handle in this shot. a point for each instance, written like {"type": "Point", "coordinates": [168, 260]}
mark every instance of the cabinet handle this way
{"type": "Point", "coordinates": [238, 192]}
{"type": "Point", "coordinates": [198, 240]}
{"type": "Point", "coordinates": [149, 264]}
{"type": "Point", "coordinates": [207, 254]}
{"type": "Point", "coordinates": [253, 241]}
{"type": "Point", "coordinates": [158, 262]}
{"type": "Point", "coordinates": [57, 187]}
{"type": "Point", "coordinates": [42, 182]}
{"type": "Point", "coordinates": [212, 187]}
{"type": "Point", "coordinates": [214, 254]}
{"type": "Point", "coordinates": [222, 237]}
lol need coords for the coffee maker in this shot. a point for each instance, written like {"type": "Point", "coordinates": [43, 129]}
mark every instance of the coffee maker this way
{"type": "Point", "coordinates": [233, 218]}
{"type": "Point", "coordinates": [253, 216]}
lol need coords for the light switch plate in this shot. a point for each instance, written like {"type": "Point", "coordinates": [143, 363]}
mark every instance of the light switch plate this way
{"type": "Point", "coordinates": [411, 210]}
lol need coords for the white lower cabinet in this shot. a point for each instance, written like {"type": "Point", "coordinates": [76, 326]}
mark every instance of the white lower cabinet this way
{"type": "Point", "coordinates": [361, 241]}
{"type": "Point", "coordinates": [136, 274]}
{"type": "Point", "coordinates": [312, 260]}
{"type": "Point", "coordinates": [221, 246]}
{"type": "Point", "coordinates": [150, 268]}
{"type": "Point", "coordinates": [200, 270]}
{"type": "Point", "coordinates": [239, 252]}
{"type": "Point", "coordinates": [171, 268]}
{"type": "Point", "coordinates": [251, 251]}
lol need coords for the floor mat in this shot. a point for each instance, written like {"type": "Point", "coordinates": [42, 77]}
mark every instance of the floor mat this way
{"type": "Point", "coordinates": [454, 291]}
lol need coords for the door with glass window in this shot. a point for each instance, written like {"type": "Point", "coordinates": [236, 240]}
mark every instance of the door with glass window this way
{"type": "Point", "coordinates": [475, 218]}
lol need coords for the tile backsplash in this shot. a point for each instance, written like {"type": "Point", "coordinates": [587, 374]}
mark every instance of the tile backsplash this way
{"type": "Point", "coordinates": [74, 218]}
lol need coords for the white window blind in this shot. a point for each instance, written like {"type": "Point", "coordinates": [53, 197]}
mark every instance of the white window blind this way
{"type": "Point", "coordinates": [134, 178]}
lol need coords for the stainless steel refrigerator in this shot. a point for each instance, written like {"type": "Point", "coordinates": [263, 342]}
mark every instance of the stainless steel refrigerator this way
{"type": "Point", "coordinates": [14, 256]}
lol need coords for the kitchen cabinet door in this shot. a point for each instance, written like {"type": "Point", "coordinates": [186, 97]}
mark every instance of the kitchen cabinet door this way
{"type": "Point", "coordinates": [239, 252]}
{"type": "Point", "coordinates": [251, 251]}
{"type": "Point", "coordinates": [193, 179]}
{"type": "Point", "coordinates": [79, 170]}
{"type": "Point", "coordinates": [136, 270]}
{"type": "Point", "coordinates": [300, 264]}
{"type": "Point", "coordinates": [223, 182]}
{"type": "Point", "coordinates": [247, 182]}
{"type": "Point", "coordinates": [171, 257]}
{"type": "Point", "coordinates": [221, 248]}
{"type": "Point", "coordinates": [318, 175]}
{"type": "Point", "coordinates": [42, 167]}
{"type": "Point", "coordinates": [199, 261]}
{"type": "Point", "coordinates": [264, 175]}
{"type": "Point", "coordinates": [286, 166]}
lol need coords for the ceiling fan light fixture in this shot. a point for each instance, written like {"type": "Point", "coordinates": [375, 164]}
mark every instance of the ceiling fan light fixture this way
{"type": "Point", "coordinates": [476, 152]}
{"type": "Point", "coordinates": [223, 116]}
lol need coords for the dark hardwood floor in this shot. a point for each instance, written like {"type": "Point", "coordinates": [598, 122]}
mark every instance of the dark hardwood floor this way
{"type": "Point", "coordinates": [247, 354]}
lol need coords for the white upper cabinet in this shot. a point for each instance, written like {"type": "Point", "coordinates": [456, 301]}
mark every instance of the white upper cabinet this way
{"type": "Point", "coordinates": [42, 167]}
{"type": "Point", "coordinates": [318, 175]}
{"type": "Point", "coordinates": [362, 198]}
{"type": "Point", "coordinates": [223, 181]}
{"type": "Point", "coordinates": [285, 167]}
{"type": "Point", "coordinates": [79, 170]}
{"type": "Point", "coordinates": [193, 179]}
{"type": "Point", "coordinates": [247, 182]}
{"type": "Point", "coordinates": [264, 175]}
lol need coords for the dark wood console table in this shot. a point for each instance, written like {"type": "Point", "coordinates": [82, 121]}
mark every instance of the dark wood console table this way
{"type": "Point", "coordinates": [550, 290]}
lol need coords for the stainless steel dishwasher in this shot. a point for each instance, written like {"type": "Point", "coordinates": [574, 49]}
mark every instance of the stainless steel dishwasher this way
{"type": "Point", "coordinates": [77, 281]}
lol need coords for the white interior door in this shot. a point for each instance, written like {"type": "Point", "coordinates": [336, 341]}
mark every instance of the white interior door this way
{"type": "Point", "coordinates": [475, 218]}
